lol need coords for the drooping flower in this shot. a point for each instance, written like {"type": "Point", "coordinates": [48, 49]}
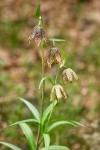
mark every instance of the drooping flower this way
{"type": "Point", "coordinates": [58, 91]}
{"type": "Point", "coordinates": [54, 56]}
{"type": "Point", "coordinates": [69, 75]}
{"type": "Point", "coordinates": [38, 34]}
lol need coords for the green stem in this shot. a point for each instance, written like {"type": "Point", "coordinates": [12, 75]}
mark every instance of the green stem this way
{"type": "Point", "coordinates": [50, 114]}
{"type": "Point", "coordinates": [38, 137]}
{"type": "Point", "coordinates": [43, 86]}
{"type": "Point", "coordinates": [42, 100]}
{"type": "Point", "coordinates": [57, 76]}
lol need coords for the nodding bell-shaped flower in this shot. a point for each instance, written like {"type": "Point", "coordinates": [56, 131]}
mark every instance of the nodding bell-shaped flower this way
{"type": "Point", "coordinates": [58, 91]}
{"type": "Point", "coordinates": [38, 34]}
{"type": "Point", "coordinates": [68, 75]}
{"type": "Point", "coordinates": [54, 56]}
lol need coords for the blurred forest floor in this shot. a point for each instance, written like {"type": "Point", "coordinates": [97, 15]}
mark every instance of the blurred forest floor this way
{"type": "Point", "coordinates": [76, 21]}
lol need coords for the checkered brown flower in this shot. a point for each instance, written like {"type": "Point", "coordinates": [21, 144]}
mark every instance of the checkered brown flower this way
{"type": "Point", "coordinates": [54, 56]}
{"type": "Point", "coordinates": [58, 91]}
{"type": "Point", "coordinates": [69, 75]}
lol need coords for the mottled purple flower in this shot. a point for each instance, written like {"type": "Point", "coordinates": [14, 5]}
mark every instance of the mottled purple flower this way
{"type": "Point", "coordinates": [38, 34]}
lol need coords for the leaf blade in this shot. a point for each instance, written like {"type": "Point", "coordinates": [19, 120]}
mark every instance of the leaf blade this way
{"type": "Point", "coordinates": [41, 82]}
{"type": "Point", "coordinates": [58, 123]}
{"type": "Point", "coordinates": [28, 134]}
{"type": "Point", "coordinates": [37, 15]}
{"type": "Point", "coordinates": [78, 123]}
{"type": "Point", "coordinates": [56, 147]}
{"type": "Point", "coordinates": [56, 40]}
{"type": "Point", "coordinates": [43, 79]}
{"type": "Point", "coordinates": [64, 58]}
{"type": "Point", "coordinates": [34, 111]}
{"type": "Point", "coordinates": [46, 140]}
{"type": "Point", "coordinates": [13, 147]}
{"type": "Point", "coordinates": [47, 111]}
{"type": "Point", "coordinates": [22, 121]}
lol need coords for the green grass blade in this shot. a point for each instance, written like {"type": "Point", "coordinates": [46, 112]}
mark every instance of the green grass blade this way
{"type": "Point", "coordinates": [29, 135]}
{"type": "Point", "coordinates": [47, 111]}
{"type": "Point", "coordinates": [37, 15]}
{"type": "Point", "coordinates": [34, 111]}
{"type": "Point", "coordinates": [13, 147]}
{"type": "Point", "coordinates": [46, 140]}
{"type": "Point", "coordinates": [54, 125]}
{"type": "Point", "coordinates": [56, 147]}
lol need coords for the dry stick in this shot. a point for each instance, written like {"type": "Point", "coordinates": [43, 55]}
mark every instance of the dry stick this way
{"type": "Point", "coordinates": [42, 104]}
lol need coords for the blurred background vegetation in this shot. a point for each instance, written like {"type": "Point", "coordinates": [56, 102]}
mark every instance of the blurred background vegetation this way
{"type": "Point", "coordinates": [76, 21]}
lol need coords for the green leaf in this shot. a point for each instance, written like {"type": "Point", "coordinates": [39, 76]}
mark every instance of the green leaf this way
{"type": "Point", "coordinates": [55, 147]}
{"type": "Point", "coordinates": [64, 58]}
{"type": "Point", "coordinates": [37, 15]}
{"type": "Point", "coordinates": [46, 140]}
{"type": "Point", "coordinates": [43, 79]}
{"type": "Point", "coordinates": [29, 135]}
{"type": "Point", "coordinates": [41, 82]}
{"type": "Point", "coordinates": [54, 125]}
{"type": "Point", "coordinates": [77, 123]}
{"type": "Point", "coordinates": [13, 147]}
{"type": "Point", "coordinates": [56, 40]}
{"type": "Point", "coordinates": [50, 80]}
{"type": "Point", "coordinates": [34, 111]}
{"type": "Point", "coordinates": [22, 121]}
{"type": "Point", "coordinates": [47, 111]}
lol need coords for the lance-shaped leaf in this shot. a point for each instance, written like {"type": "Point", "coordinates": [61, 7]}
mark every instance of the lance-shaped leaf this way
{"type": "Point", "coordinates": [37, 15]}
{"type": "Point", "coordinates": [43, 79]}
{"type": "Point", "coordinates": [51, 81]}
{"type": "Point", "coordinates": [34, 111]}
{"type": "Point", "coordinates": [47, 111]}
{"type": "Point", "coordinates": [56, 40]}
{"type": "Point", "coordinates": [13, 147]}
{"type": "Point", "coordinates": [56, 124]}
{"type": "Point", "coordinates": [41, 82]}
{"type": "Point", "coordinates": [22, 121]}
{"type": "Point", "coordinates": [29, 135]}
{"type": "Point", "coordinates": [46, 140]}
{"type": "Point", "coordinates": [77, 123]}
{"type": "Point", "coordinates": [64, 58]}
{"type": "Point", "coordinates": [56, 147]}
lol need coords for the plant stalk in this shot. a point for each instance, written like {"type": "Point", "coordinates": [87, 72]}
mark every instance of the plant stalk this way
{"type": "Point", "coordinates": [42, 100]}
{"type": "Point", "coordinates": [57, 76]}
{"type": "Point", "coordinates": [43, 85]}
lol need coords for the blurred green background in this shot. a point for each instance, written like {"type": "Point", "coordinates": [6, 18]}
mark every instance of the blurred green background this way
{"type": "Point", "coordinates": [76, 21]}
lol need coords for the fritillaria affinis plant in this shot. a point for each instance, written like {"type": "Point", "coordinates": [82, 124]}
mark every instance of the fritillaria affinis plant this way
{"type": "Point", "coordinates": [57, 93]}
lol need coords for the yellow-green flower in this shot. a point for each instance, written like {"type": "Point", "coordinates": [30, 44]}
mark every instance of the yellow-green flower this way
{"type": "Point", "coordinates": [54, 56]}
{"type": "Point", "coordinates": [58, 91]}
{"type": "Point", "coordinates": [69, 75]}
{"type": "Point", "coordinates": [38, 34]}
